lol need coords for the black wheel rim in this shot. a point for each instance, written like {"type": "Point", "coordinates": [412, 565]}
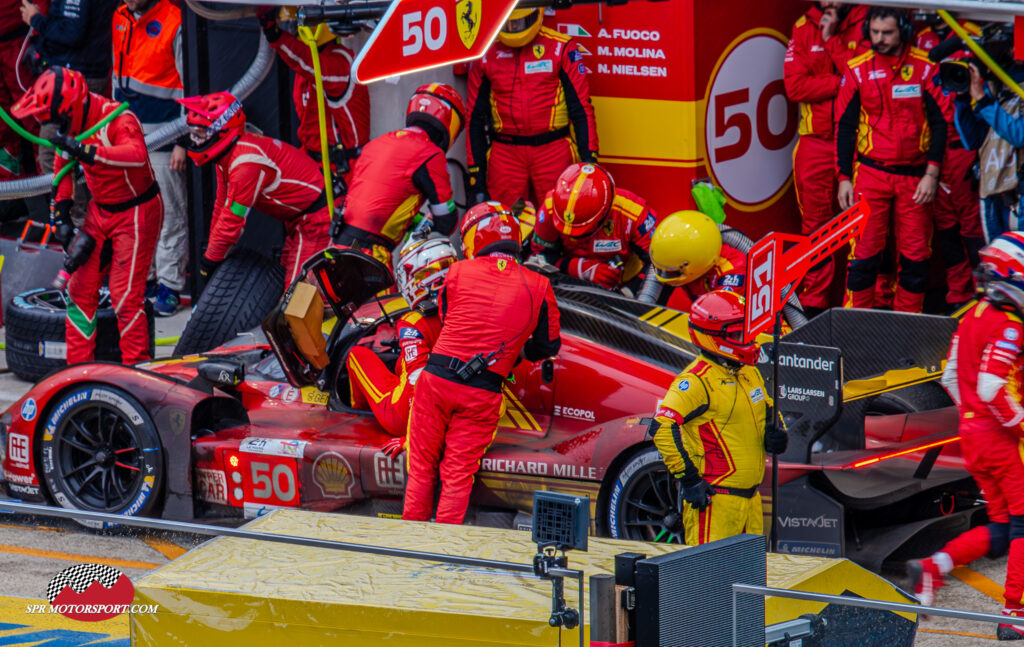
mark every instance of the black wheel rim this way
{"type": "Point", "coordinates": [650, 507]}
{"type": "Point", "coordinates": [99, 458]}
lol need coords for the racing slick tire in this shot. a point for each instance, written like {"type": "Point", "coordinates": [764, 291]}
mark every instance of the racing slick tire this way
{"type": "Point", "coordinates": [34, 324]}
{"type": "Point", "coordinates": [643, 501]}
{"type": "Point", "coordinates": [240, 294]}
{"type": "Point", "coordinates": [101, 453]}
{"type": "Point", "coordinates": [910, 399]}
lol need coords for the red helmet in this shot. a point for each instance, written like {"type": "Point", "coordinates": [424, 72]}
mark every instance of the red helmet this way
{"type": "Point", "coordinates": [716, 325]}
{"type": "Point", "coordinates": [438, 109]}
{"type": "Point", "coordinates": [1001, 270]}
{"type": "Point", "coordinates": [215, 121]}
{"type": "Point", "coordinates": [490, 227]}
{"type": "Point", "coordinates": [582, 196]}
{"type": "Point", "coordinates": [58, 95]}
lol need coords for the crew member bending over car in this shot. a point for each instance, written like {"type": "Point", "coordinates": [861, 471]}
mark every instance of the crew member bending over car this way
{"type": "Point", "coordinates": [687, 253]}
{"type": "Point", "coordinates": [492, 309]}
{"type": "Point", "coordinates": [397, 171]}
{"type": "Point", "coordinates": [126, 212]}
{"type": "Point", "coordinates": [983, 376]}
{"type": "Point", "coordinates": [419, 273]}
{"type": "Point", "coordinates": [255, 172]}
{"type": "Point", "coordinates": [711, 425]}
{"type": "Point", "coordinates": [593, 231]}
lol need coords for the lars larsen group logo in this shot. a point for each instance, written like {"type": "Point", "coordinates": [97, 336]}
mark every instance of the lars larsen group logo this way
{"type": "Point", "coordinates": [90, 593]}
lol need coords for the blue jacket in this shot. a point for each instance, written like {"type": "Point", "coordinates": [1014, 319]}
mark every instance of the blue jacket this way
{"type": "Point", "coordinates": [973, 122]}
{"type": "Point", "coordinates": [76, 34]}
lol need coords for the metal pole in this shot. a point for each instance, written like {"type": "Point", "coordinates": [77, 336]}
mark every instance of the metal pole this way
{"type": "Point", "coordinates": [773, 426]}
{"type": "Point", "coordinates": [1000, 8]}
{"type": "Point", "coordinates": [203, 529]}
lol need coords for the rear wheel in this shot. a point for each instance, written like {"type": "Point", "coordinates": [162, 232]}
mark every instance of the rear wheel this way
{"type": "Point", "coordinates": [643, 502]}
{"type": "Point", "coordinates": [910, 399]}
{"type": "Point", "coordinates": [103, 453]}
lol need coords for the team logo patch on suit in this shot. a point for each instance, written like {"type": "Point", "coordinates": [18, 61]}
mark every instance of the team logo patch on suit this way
{"type": "Point", "coordinates": [731, 281]}
{"type": "Point", "coordinates": [411, 333]}
{"type": "Point", "coordinates": [647, 225]}
{"type": "Point", "coordinates": [757, 395]}
{"type": "Point", "coordinates": [535, 67]}
{"type": "Point", "coordinates": [153, 28]}
{"type": "Point", "coordinates": [575, 56]}
{"type": "Point", "coordinates": [1011, 334]}
{"type": "Point", "coordinates": [909, 91]}
{"type": "Point", "coordinates": [538, 51]}
{"type": "Point", "coordinates": [468, 21]}
{"type": "Point", "coordinates": [684, 385]}
{"type": "Point", "coordinates": [1008, 345]}
{"type": "Point", "coordinates": [502, 264]}
{"type": "Point", "coordinates": [907, 72]}
{"type": "Point", "coordinates": [607, 245]}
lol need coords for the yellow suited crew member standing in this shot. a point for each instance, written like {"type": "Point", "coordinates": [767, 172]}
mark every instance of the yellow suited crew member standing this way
{"type": "Point", "coordinates": [711, 425]}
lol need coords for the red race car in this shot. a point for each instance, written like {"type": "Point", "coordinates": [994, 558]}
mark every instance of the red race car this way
{"type": "Point", "coordinates": [253, 425]}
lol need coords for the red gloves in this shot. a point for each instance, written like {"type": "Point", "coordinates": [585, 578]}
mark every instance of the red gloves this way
{"type": "Point", "coordinates": [604, 274]}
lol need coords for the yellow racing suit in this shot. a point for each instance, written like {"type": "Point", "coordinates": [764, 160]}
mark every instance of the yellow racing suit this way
{"type": "Point", "coordinates": [711, 425]}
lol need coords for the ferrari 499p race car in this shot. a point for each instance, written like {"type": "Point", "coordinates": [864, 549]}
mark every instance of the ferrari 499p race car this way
{"type": "Point", "coordinates": [253, 424]}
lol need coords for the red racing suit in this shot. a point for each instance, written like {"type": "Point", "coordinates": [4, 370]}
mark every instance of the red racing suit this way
{"type": "Point", "coordinates": [958, 232]}
{"type": "Point", "coordinates": [624, 238]}
{"type": "Point", "coordinates": [536, 101]}
{"type": "Point", "coordinates": [126, 211]}
{"type": "Point", "coordinates": [346, 103]}
{"type": "Point", "coordinates": [890, 129]}
{"type": "Point", "coordinates": [12, 36]}
{"type": "Point", "coordinates": [728, 273]}
{"type": "Point", "coordinates": [812, 71]}
{"type": "Point", "coordinates": [493, 308]}
{"type": "Point", "coordinates": [276, 178]}
{"type": "Point", "coordinates": [393, 176]}
{"type": "Point", "coordinates": [389, 395]}
{"type": "Point", "coordinates": [983, 374]}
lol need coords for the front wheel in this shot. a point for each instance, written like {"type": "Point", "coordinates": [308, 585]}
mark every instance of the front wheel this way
{"type": "Point", "coordinates": [643, 502]}
{"type": "Point", "coordinates": [101, 453]}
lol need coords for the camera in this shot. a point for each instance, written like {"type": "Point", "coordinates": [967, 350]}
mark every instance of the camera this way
{"type": "Point", "coordinates": [955, 75]}
{"type": "Point", "coordinates": [954, 58]}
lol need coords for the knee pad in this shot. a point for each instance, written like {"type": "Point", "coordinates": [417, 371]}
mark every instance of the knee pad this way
{"type": "Point", "coordinates": [951, 246]}
{"type": "Point", "coordinates": [1016, 527]}
{"type": "Point", "coordinates": [999, 538]}
{"type": "Point", "coordinates": [863, 272]}
{"type": "Point", "coordinates": [913, 276]}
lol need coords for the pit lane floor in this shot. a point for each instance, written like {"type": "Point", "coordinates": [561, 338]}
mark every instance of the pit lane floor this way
{"type": "Point", "coordinates": [33, 550]}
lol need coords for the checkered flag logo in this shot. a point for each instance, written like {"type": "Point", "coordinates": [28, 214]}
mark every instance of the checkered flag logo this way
{"type": "Point", "coordinates": [80, 576]}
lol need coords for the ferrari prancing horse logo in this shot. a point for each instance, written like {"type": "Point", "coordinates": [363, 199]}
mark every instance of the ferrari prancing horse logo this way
{"type": "Point", "coordinates": [467, 18]}
{"type": "Point", "coordinates": [502, 264]}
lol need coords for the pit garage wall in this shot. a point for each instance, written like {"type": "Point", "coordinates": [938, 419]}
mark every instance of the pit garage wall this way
{"type": "Point", "coordinates": [687, 89]}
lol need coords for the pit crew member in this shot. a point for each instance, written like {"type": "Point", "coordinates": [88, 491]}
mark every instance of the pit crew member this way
{"type": "Point", "coordinates": [346, 103]}
{"type": "Point", "coordinates": [983, 376]}
{"type": "Point", "coordinates": [890, 143]}
{"type": "Point", "coordinates": [823, 40]}
{"type": "Point", "coordinates": [711, 425]}
{"type": "Point", "coordinates": [399, 170]}
{"type": "Point", "coordinates": [124, 215]}
{"type": "Point", "coordinates": [593, 231]}
{"type": "Point", "coordinates": [492, 310]}
{"type": "Point", "coordinates": [687, 253]}
{"type": "Point", "coordinates": [419, 272]}
{"type": "Point", "coordinates": [531, 114]}
{"type": "Point", "coordinates": [255, 172]}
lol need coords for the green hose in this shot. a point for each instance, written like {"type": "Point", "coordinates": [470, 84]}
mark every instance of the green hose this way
{"type": "Point", "coordinates": [16, 127]}
{"type": "Point", "coordinates": [87, 134]}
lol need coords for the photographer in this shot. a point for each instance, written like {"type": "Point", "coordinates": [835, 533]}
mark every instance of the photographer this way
{"type": "Point", "coordinates": [992, 125]}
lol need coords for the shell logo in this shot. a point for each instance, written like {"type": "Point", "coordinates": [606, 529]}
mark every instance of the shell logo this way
{"type": "Point", "coordinates": [333, 475]}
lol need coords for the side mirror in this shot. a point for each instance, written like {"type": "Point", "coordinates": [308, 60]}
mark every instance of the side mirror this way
{"type": "Point", "coordinates": [222, 373]}
{"type": "Point", "coordinates": [547, 371]}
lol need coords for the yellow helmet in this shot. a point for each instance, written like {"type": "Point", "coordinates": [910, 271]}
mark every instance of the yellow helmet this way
{"type": "Point", "coordinates": [684, 246]}
{"type": "Point", "coordinates": [520, 28]}
{"type": "Point", "coordinates": [290, 14]}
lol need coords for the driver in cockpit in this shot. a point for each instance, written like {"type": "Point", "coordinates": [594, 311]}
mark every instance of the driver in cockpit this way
{"type": "Point", "coordinates": [419, 273]}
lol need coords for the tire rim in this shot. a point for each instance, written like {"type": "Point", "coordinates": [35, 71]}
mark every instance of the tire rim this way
{"type": "Point", "coordinates": [99, 458]}
{"type": "Point", "coordinates": [57, 299]}
{"type": "Point", "coordinates": [650, 507]}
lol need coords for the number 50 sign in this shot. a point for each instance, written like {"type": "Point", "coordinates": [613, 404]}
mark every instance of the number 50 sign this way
{"type": "Point", "coordinates": [420, 34]}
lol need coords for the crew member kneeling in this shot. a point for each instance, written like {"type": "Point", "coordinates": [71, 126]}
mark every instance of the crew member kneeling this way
{"type": "Point", "coordinates": [126, 211]}
{"type": "Point", "coordinates": [492, 310]}
{"type": "Point", "coordinates": [420, 273]}
{"type": "Point", "coordinates": [256, 172]}
{"type": "Point", "coordinates": [711, 431]}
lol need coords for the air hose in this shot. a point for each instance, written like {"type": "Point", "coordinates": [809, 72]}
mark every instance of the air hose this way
{"type": "Point", "coordinates": [311, 37]}
{"type": "Point", "coordinates": [86, 135]}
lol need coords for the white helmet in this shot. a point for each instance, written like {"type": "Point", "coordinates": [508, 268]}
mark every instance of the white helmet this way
{"type": "Point", "coordinates": [421, 266]}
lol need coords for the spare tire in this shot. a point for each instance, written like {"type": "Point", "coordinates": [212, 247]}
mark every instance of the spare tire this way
{"type": "Point", "coordinates": [239, 295]}
{"type": "Point", "coordinates": [34, 331]}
